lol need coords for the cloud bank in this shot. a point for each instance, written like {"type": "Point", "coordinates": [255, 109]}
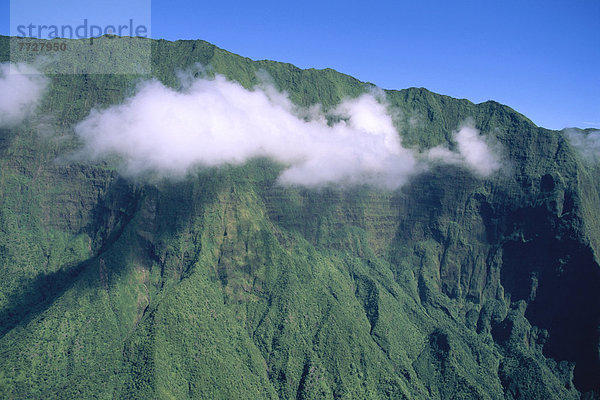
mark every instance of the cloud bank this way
{"type": "Point", "coordinates": [211, 122]}
{"type": "Point", "coordinates": [588, 144]}
{"type": "Point", "coordinates": [215, 121]}
{"type": "Point", "coordinates": [472, 150]}
{"type": "Point", "coordinates": [21, 89]}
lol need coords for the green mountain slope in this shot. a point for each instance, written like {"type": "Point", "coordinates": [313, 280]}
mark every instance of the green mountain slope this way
{"type": "Point", "coordinates": [225, 285]}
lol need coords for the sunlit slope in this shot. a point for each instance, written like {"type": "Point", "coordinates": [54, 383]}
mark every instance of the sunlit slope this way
{"type": "Point", "coordinates": [228, 285]}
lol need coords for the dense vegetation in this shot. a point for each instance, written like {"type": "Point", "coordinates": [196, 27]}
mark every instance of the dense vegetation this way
{"type": "Point", "coordinates": [227, 285]}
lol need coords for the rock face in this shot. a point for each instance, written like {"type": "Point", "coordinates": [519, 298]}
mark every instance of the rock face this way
{"type": "Point", "coordinates": [228, 285]}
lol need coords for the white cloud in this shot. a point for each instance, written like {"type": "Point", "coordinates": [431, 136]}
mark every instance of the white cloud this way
{"type": "Point", "coordinates": [588, 144]}
{"type": "Point", "coordinates": [211, 122]}
{"type": "Point", "coordinates": [472, 150]}
{"type": "Point", "coordinates": [216, 121]}
{"type": "Point", "coordinates": [21, 89]}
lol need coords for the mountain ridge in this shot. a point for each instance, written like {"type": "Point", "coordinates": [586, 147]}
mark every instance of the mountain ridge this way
{"type": "Point", "coordinates": [213, 48]}
{"type": "Point", "coordinates": [227, 285]}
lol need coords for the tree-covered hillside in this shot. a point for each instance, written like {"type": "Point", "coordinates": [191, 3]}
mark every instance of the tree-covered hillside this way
{"type": "Point", "coordinates": [227, 285]}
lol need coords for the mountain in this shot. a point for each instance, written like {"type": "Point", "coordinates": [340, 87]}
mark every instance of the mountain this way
{"type": "Point", "coordinates": [225, 284]}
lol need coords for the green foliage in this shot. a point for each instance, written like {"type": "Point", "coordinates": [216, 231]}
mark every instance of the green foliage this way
{"type": "Point", "coordinates": [228, 285]}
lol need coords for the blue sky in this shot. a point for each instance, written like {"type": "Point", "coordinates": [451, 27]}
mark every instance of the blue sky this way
{"type": "Point", "coordinates": [540, 57]}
